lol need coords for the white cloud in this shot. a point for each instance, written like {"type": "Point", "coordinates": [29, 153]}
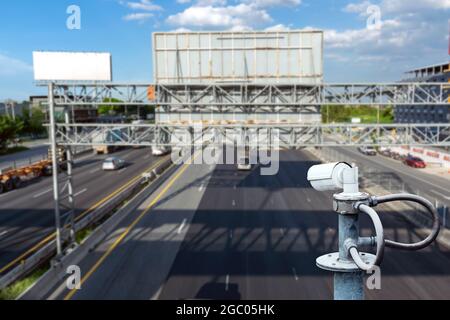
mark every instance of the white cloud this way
{"type": "Point", "coordinates": [273, 3]}
{"type": "Point", "coordinates": [183, 1]}
{"type": "Point", "coordinates": [137, 16]}
{"type": "Point", "coordinates": [402, 6]}
{"type": "Point", "coordinates": [206, 3]}
{"type": "Point", "coordinates": [237, 17]}
{"type": "Point", "coordinates": [12, 66]}
{"type": "Point", "coordinates": [409, 31]}
{"type": "Point", "coordinates": [278, 27]}
{"type": "Point", "coordinates": [144, 5]}
{"type": "Point", "coordinates": [359, 8]}
{"type": "Point", "coordinates": [182, 30]}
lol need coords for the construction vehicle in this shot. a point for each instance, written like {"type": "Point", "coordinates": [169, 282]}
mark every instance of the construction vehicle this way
{"type": "Point", "coordinates": [14, 178]}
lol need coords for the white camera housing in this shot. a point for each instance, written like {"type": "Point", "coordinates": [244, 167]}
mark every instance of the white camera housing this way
{"type": "Point", "coordinates": [328, 177]}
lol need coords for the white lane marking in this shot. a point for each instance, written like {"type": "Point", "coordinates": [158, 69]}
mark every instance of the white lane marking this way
{"type": "Point", "coordinates": [202, 186]}
{"type": "Point", "coordinates": [147, 156]}
{"type": "Point", "coordinates": [231, 234]}
{"type": "Point", "coordinates": [440, 194]}
{"type": "Point", "coordinates": [233, 203]}
{"type": "Point", "coordinates": [227, 282]}
{"type": "Point", "coordinates": [80, 192]}
{"type": "Point", "coordinates": [7, 193]}
{"type": "Point", "coordinates": [42, 193]}
{"type": "Point", "coordinates": [308, 199]}
{"type": "Point", "coordinates": [3, 233]}
{"type": "Point", "coordinates": [295, 274]}
{"type": "Point", "coordinates": [183, 224]}
{"type": "Point", "coordinates": [95, 170]}
{"type": "Point", "coordinates": [123, 170]}
{"type": "Point", "coordinates": [282, 231]}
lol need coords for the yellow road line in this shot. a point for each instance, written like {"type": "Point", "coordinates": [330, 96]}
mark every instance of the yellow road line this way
{"type": "Point", "coordinates": [92, 208]}
{"type": "Point", "coordinates": [129, 228]}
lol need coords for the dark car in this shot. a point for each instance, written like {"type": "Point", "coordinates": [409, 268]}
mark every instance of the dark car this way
{"type": "Point", "coordinates": [414, 162]}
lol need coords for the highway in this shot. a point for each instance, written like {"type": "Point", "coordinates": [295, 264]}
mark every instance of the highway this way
{"type": "Point", "coordinates": [215, 233]}
{"type": "Point", "coordinates": [415, 181]}
{"type": "Point", "coordinates": [27, 214]}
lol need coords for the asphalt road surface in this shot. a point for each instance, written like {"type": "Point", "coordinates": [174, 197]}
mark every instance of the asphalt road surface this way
{"type": "Point", "coordinates": [27, 214]}
{"type": "Point", "coordinates": [223, 234]}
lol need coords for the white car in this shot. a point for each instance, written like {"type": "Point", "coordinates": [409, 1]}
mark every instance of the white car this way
{"type": "Point", "coordinates": [111, 164]}
{"type": "Point", "coordinates": [161, 151]}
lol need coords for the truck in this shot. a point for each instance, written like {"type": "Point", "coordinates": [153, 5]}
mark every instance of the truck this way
{"type": "Point", "coordinates": [104, 141]}
{"type": "Point", "coordinates": [14, 178]}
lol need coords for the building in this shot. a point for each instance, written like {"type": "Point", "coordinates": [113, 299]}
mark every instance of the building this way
{"type": "Point", "coordinates": [80, 114]}
{"type": "Point", "coordinates": [425, 114]}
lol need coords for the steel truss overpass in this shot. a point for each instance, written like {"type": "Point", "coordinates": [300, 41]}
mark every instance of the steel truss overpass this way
{"type": "Point", "coordinates": [223, 99]}
{"type": "Point", "coordinates": [253, 96]}
{"type": "Point", "coordinates": [252, 100]}
{"type": "Point", "coordinates": [276, 135]}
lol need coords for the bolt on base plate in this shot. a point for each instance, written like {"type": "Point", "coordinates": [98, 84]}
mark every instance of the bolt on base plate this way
{"type": "Point", "coordinates": [331, 262]}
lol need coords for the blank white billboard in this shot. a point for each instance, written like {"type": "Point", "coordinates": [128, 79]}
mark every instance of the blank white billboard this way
{"type": "Point", "coordinates": [72, 66]}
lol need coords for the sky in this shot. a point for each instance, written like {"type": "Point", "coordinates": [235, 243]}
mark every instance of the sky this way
{"type": "Point", "coordinates": [365, 41]}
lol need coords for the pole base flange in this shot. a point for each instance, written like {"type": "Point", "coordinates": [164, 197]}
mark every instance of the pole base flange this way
{"type": "Point", "coordinates": [331, 262]}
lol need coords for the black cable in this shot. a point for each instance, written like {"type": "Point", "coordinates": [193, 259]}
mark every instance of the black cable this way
{"type": "Point", "coordinates": [422, 201]}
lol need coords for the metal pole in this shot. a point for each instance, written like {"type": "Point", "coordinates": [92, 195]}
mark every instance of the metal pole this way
{"type": "Point", "coordinates": [69, 160]}
{"type": "Point", "coordinates": [13, 111]}
{"type": "Point", "coordinates": [51, 106]}
{"type": "Point", "coordinates": [348, 285]}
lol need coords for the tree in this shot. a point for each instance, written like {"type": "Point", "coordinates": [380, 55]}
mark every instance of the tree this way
{"type": "Point", "coordinates": [9, 130]}
{"type": "Point", "coordinates": [33, 125]}
{"type": "Point", "coordinates": [106, 109]}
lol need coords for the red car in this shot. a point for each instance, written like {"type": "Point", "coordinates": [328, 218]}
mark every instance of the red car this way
{"type": "Point", "coordinates": [414, 162]}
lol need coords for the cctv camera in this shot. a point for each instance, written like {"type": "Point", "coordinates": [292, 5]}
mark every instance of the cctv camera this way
{"type": "Point", "coordinates": [328, 177]}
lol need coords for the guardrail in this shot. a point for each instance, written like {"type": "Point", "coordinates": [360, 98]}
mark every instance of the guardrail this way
{"type": "Point", "coordinates": [15, 164]}
{"type": "Point", "coordinates": [46, 252]}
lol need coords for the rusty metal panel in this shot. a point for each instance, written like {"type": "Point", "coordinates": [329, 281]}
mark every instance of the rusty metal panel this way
{"type": "Point", "coordinates": [249, 57]}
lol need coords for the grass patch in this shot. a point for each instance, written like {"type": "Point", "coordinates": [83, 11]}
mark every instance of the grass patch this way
{"type": "Point", "coordinates": [13, 150]}
{"type": "Point", "coordinates": [83, 234]}
{"type": "Point", "coordinates": [17, 288]}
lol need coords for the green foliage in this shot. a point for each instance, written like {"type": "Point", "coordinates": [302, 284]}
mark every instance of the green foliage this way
{"type": "Point", "coordinates": [106, 109]}
{"type": "Point", "coordinates": [17, 288]}
{"type": "Point", "coordinates": [367, 114]}
{"type": "Point", "coordinates": [9, 129]}
{"type": "Point", "coordinates": [33, 125]}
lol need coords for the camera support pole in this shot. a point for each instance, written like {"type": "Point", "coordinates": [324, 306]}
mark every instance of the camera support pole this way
{"type": "Point", "coordinates": [349, 265]}
{"type": "Point", "coordinates": [348, 277]}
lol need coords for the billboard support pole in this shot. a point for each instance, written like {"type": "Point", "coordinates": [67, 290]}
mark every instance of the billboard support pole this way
{"type": "Point", "coordinates": [69, 181]}
{"type": "Point", "coordinates": [55, 167]}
